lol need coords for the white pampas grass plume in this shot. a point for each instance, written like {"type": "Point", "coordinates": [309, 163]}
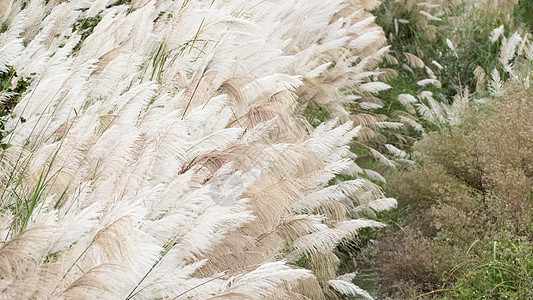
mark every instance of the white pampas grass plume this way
{"type": "Point", "coordinates": [479, 75]}
{"type": "Point", "coordinates": [429, 16]}
{"type": "Point", "coordinates": [411, 122]}
{"type": "Point", "coordinates": [348, 288]}
{"type": "Point", "coordinates": [452, 47]}
{"type": "Point", "coordinates": [375, 87]}
{"type": "Point", "coordinates": [406, 98]}
{"type": "Point", "coordinates": [395, 151]}
{"type": "Point", "coordinates": [390, 125]}
{"type": "Point", "coordinates": [326, 239]}
{"type": "Point", "coordinates": [11, 43]}
{"type": "Point", "coordinates": [382, 158]}
{"type": "Point", "coordinates": [366, 40]}
{"type": "Point", "coordinates": [370, 208]}
{"type": "Point", "coordinates": [495, 83]}
{"type": "Point", "coordinates": [164, 155]}
{"type": "Point", "coordinates": [373, 175]}
{"type": "Point", "coordinates": [439, 66]}
{"type": "Point", "coordinates": [428, 81]}
{"type": "Point", "coordinates": [317, 71]}
{"type": "Point", "coordinates": [496, 33]}
{"type": "Point", "coordinates": [414, 61]}
{"type": "Point", "coordinates": [261, 284]}
{"type": "Point", "coordinates": [370, 105]}
{"type": "Point", "coordinates": [430, 73]}
{"type": "Point", "coordinates": [508, 51]}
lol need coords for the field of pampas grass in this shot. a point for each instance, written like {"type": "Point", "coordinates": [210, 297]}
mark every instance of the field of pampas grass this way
{"type": "Point", "coordinates": [159, 151]}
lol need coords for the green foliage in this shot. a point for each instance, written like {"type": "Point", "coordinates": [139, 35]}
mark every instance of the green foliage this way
{"type": "Point", "coordinates": [466, 25]}
{"type": "Point", "coordinates": [24, 207]}
{"type": "Point", "coordinates": [85, 27]}
{"type": "Point", "coordinates": [315, 114]}
{"type": "Point", "coordinates": [473, 48]}
{"type": "Point", "coordinates": [4, 27]}
{"type": "Point", "coordinates": [505, 273]}
{"type": "Point", "coordinates": [12, 95]}
{"type": "Point", "coordinates": [524, 12]}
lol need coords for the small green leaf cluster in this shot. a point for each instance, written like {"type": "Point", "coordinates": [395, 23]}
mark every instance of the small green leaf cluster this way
{"type": "Point", "coordinates": [12, 95]}
{"type": "Point", "coordinates": [85, 27]}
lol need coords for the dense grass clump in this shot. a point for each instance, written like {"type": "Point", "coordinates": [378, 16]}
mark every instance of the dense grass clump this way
{"type": "Point", "coordinates": [467, 233]}
{"type": "Point", "coordinates": [171, 150]}
{"type": "Point", "coordinates": [469, 206]}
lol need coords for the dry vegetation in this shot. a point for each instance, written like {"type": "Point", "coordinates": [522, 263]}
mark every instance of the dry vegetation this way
{"type": "Point", "coordinates": [468, 233]}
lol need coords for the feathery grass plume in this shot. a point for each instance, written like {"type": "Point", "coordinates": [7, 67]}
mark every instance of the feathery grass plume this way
{"type": "Point", "coordinates": [414, 61]}
{"type": "Point", "coordinates": [496, 33]}
{"type": "Point", "coordinates": [344, 285]}
{"type": "Point", "coordinates": [508, 51]}
{"type": "Point", "coordinates": [480, 76]}
{"type": "Point", "coordinates": [495, 83]}
{"type": "Point", "coordinates": [159, 143]}
{"type": "Point", "coordinates": [11, 43]}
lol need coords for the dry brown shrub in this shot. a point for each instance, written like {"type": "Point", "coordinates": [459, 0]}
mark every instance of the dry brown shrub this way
{"type": "Point", "coordinates": [473, 187]}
